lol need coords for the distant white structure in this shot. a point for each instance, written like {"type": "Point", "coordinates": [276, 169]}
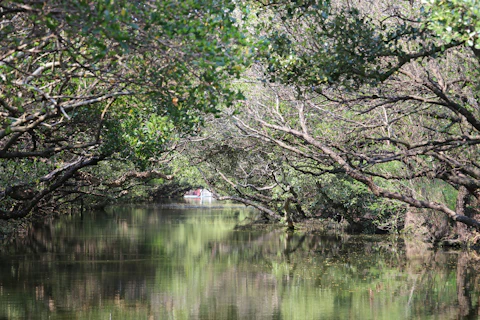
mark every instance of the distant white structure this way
{"type": "Point", "coordinates": [198, 194]}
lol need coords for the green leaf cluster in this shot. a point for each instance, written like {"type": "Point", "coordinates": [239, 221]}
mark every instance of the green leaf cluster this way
{"type": "Point", "coordinates": [455, 20]}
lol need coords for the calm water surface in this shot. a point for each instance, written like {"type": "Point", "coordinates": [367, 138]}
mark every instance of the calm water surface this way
{"type": "Point", "coordinates": [185, 262]}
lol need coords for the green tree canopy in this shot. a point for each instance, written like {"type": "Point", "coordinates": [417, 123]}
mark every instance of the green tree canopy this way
{"type": "Point", "coordinates": [371, 92]}
{"type": "Point", "coordinates": [84, 81]}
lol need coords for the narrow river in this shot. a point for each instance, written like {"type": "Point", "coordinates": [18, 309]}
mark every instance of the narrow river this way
{"type": "Point", "coordinates": [187, 261]}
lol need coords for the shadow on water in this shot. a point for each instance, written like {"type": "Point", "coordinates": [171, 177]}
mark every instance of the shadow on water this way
{"type": "Point", "coordinates": [172, 261]}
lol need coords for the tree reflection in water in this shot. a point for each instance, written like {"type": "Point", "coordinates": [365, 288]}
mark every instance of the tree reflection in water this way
{"type": "Point", "coordinates": [156, 263]}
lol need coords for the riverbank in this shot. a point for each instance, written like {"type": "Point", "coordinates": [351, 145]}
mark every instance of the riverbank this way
{"type": "Point", "coordinates": [417, 227]}
{"type": "Point", "coordinates": [9, 229]}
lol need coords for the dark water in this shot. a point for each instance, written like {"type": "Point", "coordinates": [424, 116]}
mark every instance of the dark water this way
{"type": "Point", "coordinates": [157, 262]}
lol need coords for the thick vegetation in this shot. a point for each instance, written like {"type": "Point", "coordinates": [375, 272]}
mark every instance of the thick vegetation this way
{"type": "Point", "coordinates": [346, 106]}
{"type": "Point", "coordinates": [83, 83]}
{"type": "Point", "coordinates": [353, 111]}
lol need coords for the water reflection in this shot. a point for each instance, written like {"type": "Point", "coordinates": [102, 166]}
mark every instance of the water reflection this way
{"type": "Point", "coordinates": [186, 262]}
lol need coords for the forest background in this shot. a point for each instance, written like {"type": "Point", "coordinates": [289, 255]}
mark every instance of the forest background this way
{"type": "Point", "coordinates": [362, 113]}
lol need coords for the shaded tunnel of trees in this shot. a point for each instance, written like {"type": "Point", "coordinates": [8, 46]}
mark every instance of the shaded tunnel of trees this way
{"type": "Point", "coordinates": [365, 113]}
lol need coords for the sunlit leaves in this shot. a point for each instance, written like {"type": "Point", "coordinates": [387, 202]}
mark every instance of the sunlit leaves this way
{"type": "Point", "coordinates": [455, 20]}
{"type": "Point", "coordinates": [117, 79]}
{"type": "Point", "coordinates": [315, 43]}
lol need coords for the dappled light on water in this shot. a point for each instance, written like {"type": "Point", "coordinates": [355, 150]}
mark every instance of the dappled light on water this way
{"type": "Point", "coordinates": [186, 261]}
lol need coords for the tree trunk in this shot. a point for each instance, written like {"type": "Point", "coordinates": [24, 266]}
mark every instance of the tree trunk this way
{"type": "Point", "coordinates": [54, 180]}
{"type": "Point", "coordinates": [461, 229]}
{"type": "Point", "coordinates": [288, 214]}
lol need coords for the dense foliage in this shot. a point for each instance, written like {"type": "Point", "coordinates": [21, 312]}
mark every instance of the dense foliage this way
{"type": "Point", "coordinates": [353, 112]}
{"type": "Point", "coordinates": [382, 96]}
{"type": "Point", "coordinates": [84, 82]}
